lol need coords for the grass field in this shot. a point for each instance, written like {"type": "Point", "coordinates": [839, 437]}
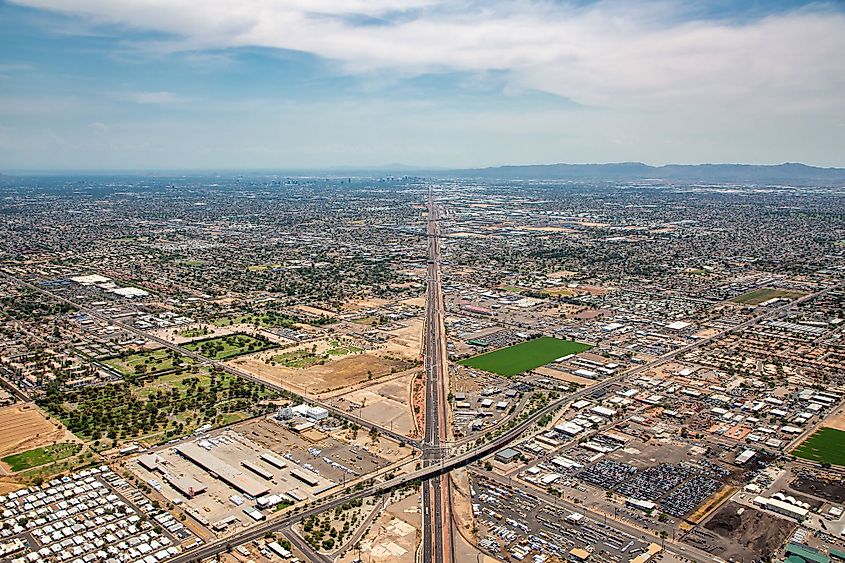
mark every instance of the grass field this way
{"type": "Point", "coordinates": [229, 346]}
{"type": "Point", "coordinates": [559, 292]}
{"type": "Point", "coordinates": [40, 456]}
{"type": "Point", "coordinates": [760, 295]}
{"type": "Point", "coordinates": [826, 445]}
{"type": "Point", "coordinates": [264, 320]}
{"type": "Point", "coordinates": [298, 359]}
{"type": "Point", "coordinates": [154, 361]}
{"type": "Point", "coordinates": [338, 349]}
{"type": "Point", "coordinates": [194, 332]}
{"type": "Point", "coordinates": [527, 355]}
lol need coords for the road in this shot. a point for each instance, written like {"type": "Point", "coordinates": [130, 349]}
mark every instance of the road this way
{"type": "Point", "coordinates": [213, 363]}
{"type": "Point", "coordinates": [430, 472]}
{"type": "Point", "coordinates": [436, 492]}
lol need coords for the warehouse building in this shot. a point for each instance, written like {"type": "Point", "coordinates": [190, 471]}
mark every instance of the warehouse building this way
{"type": "Point", "coordinates": [230, 475]}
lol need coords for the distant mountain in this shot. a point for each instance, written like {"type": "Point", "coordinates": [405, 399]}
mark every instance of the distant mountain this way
{"type": "Point", "coordinates": [790, 172]}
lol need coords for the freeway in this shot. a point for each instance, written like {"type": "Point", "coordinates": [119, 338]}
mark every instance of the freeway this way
{"type": "Point", "coordinates": [429, 471]}
{"type": "Point", "coordinates": [436, 492]}
{"type": "Point", "coordinates": [213, 363]}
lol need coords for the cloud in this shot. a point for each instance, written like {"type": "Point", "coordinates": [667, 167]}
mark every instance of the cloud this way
{"type": "Point", "coordinates": [155, 98]}
{"type": "Point", "coordinates": [610, 53]}
{"type": "Point", "coordinates": [99, 127]}
{"type": "Point", "coordinates": [8, 68]}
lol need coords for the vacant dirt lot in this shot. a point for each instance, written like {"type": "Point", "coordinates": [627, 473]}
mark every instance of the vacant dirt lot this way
{"type": "Point", "coordinates": [407, 340]}
{"type": "Point", "coordinates": [386, 404]}
{"type": "Point", "coordinates": [24, 427]}
{"type": "Point", "coordinates": [836, 421]}
{"type": "Point", "coordinates": [392, 537]}
{"type": "Point", "coordinates": [748, 534]}
{"type": "Point", "coordinates": [336, 374]}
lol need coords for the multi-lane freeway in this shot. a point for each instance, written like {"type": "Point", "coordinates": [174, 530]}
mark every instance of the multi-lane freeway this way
{"type": "Point", "coordinates": [437, 538]}
{"type": "Point", "coordinates": [436, 492]}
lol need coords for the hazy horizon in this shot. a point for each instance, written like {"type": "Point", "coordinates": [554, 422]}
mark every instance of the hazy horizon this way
{"type": "Point", "coordinates": [269, 84]}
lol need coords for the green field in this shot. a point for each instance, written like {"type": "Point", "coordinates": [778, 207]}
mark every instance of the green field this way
{"type": "Point", "coordinates": [195, 332]}
{"type": "Point", "coordinates": [826, 445]}
{"type": "Point", "coordinates": [229, 346]}
{"type": "Point", "coordinates": [40, 456]}
{"type": "Point", "coordinates": [264, 320]}
{"type": "Point", "coordinates": [760, 295]}
{"type": "Point", "coordinates": [148, 362]}
{"type": "Point", "coordinates": [298, 359]}
{"type": "Point", "coordinates": [525, 356]}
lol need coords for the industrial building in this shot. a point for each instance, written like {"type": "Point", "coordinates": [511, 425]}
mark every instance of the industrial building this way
{"type": "Point", "coordinates": [228, 474]}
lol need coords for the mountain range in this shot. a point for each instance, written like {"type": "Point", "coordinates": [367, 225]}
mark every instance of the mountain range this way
{"type": "Point", "coordinates": [789, 172]}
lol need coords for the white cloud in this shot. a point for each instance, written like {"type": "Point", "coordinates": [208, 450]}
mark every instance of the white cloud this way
{"type": "Point", "coordinates": [99, 127]}
{"type": "Point", "coordinates": [156, 98]}
{"type": "Point", "coordinates": [612, 54]}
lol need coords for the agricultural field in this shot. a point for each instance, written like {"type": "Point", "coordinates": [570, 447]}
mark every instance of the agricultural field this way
{"type": "Point", "coordinates": [24, 427]}
{"type": "Point", "coordinates": [148, 362]}
{"type": "Point", "coordinates": [229, 346]}
{"type": "Point", "coordinates": [525, 356]}
{"type": "Point", "coordinates": [41, 456]}
{"type": "Point", "coordinates": [826, 445]}
{"type": "Point", "coordinates": [155, 409]}
{"type": "Point", "coordinates": [761, 295]}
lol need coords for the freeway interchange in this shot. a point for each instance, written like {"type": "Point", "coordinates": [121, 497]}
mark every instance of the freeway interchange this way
{"type": "Point", "coordinates": [438, 534]}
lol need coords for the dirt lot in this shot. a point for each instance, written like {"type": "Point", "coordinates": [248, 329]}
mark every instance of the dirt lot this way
{"type": "Point", "coordinates": [387, 404]}
{"type": "Point", "coordinates": [392, 536]}
{"type": "Point", "coordinates": [371, 303]}
{"type": "Point", "coordinates": [24, 427]}
{"type": "Point", "coordinates": [565, 376]}
{"type": "Point", "coordinates": [836, 420]}
{"type": "Point", "coordinates": [407, 340]}
{"type": "Point", "coordinates": [829, 489]}
{"type": "Point", "coordinates": [346, 371]}
{"type": "Point", "coordinates": [748, 534]}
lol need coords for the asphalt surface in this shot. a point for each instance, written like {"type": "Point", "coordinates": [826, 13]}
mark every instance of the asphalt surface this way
{"type": "Point", "coordinates": [430, 472]}
{"type": "Point", "coordinates": [214, 363]}
{"type": "Point", "coordinates": [436, 492]}
{"type": "Point", "coordinates": [679, 549]}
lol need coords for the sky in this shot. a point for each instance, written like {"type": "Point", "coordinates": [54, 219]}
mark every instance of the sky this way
{"type": "Point", "coordinates": [305, 84]}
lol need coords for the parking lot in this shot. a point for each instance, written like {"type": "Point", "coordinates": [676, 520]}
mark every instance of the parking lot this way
{"type": "Point", "coordinates": [515, 525]}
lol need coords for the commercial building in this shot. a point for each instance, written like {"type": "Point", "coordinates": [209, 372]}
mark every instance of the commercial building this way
{"type": "Point", "coordinates": [216, 467]}
{"type": "Point", "coordinates": [507, 455]}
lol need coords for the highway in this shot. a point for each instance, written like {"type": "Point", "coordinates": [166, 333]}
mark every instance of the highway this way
{"type": "Point", "coordinates": [436, 492]}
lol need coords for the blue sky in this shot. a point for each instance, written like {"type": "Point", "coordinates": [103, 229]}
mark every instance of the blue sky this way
{"type": "Point", "coordinates": [187, 84]}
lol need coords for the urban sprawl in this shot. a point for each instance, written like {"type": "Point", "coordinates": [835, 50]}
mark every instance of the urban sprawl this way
{"type": "Point", "coordinates": [402, 369]}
